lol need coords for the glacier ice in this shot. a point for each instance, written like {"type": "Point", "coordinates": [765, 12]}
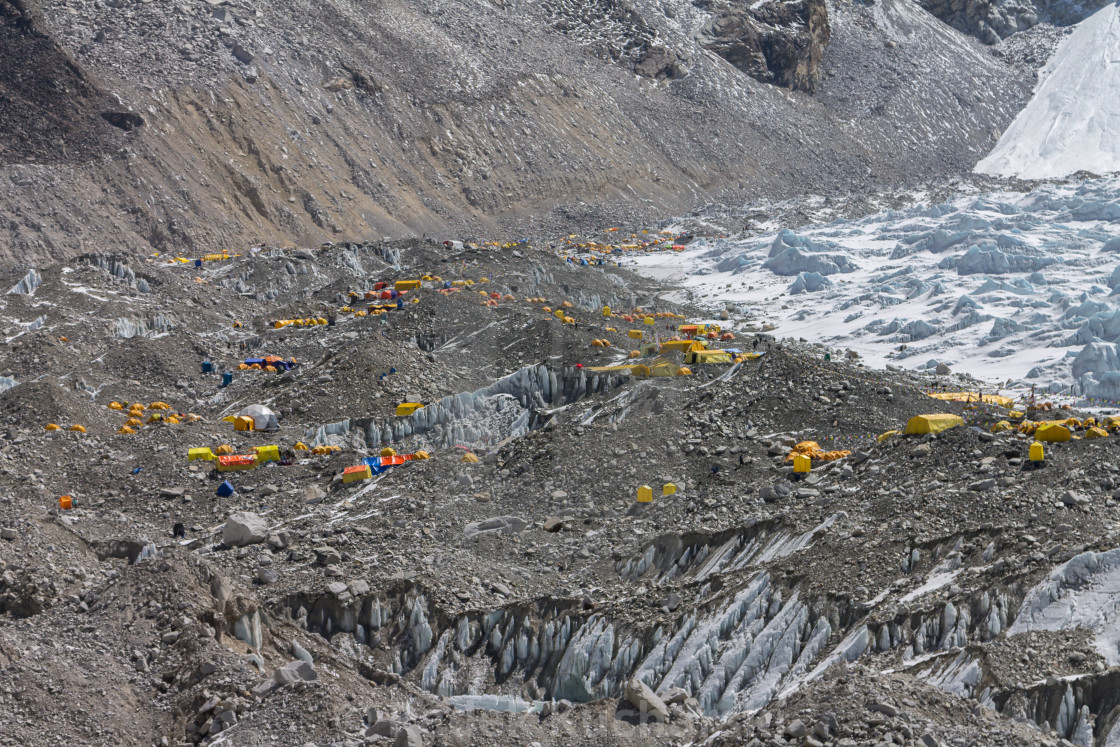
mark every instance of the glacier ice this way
{"type": "Point", "coordinates": [28, 284]}
{"type": "Point", "coordinates": [1083, 592]}
{"type": "Point", "coordinates": [809, 282]}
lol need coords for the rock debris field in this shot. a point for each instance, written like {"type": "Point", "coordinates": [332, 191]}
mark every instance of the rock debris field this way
{"type": "Point", "coordinates": [492, 578]}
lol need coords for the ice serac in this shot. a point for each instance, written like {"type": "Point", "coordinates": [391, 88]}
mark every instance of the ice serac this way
{"type": "Point", "coordinates": [1097, 370]}
{"type": "Point", "coordinates": [794, 261]}
{"type": "Point", "coordinates": [28, 284]}
{"type": "Point", "coordinates": [126, 328]}
{"type": "Point", "coordinates": [809, 282]}
{"type": "Point", "coordinates": [1084, 593]}
{"type": "Point", "coordinates": [501, 410]}
{"type": "Point", "coordinates": [1073, 121]}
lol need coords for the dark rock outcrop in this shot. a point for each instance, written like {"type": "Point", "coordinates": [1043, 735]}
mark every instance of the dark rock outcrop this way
{"type": "Point", "coordinates": [779, 43]}
{"type": "Point", "coordinates": [990, 21]}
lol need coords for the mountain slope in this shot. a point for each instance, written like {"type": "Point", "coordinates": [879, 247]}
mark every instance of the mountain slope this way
{"type": "Point", "coordinates": [300, 122]}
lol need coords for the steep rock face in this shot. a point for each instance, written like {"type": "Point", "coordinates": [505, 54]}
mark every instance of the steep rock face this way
{"type": "Point", "coordinates": [776, 42]}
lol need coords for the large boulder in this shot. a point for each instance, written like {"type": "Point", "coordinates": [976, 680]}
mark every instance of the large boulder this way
{"type": "Point", "coordinates": [409, 736]}
{"type": "Point", "coordinates": [289, 674]}
{"type": "Point", "coordinates": [496, 525]}
{"type": "Point", "coordinates": [244, 528]}
{"type": "Point", "coordinates": [639, 695]}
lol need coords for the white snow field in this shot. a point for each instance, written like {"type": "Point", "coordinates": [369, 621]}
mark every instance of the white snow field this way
{"type": "Point", "coordinates": [1004, 286]}
{"type": "Point", "coordinates": [1073, 121]}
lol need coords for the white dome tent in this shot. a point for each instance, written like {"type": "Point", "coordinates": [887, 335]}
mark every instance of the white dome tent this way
{"type": "Point", "coordinates": [264, 419]}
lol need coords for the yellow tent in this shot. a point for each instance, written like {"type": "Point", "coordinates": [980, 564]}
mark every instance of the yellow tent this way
{"type": "Point", "coordinates": [991, 399]}
{"type": "Point", "coordinates": [920, 424]}
{"type": "Point", "coordinates": [269, 453]}
{"type": "Point", "coordinates": [708, 356]}
{"type": "Point", "coordinates": [1051, 432]}
{"type": "Point", "coordinates": [356, 474]}
{"type": "Point", "coordinates": [664, 368]}
{"type": "Point", "coordinates": [678, 346]}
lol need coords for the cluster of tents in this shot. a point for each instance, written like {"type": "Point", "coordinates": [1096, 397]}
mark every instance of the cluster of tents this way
{"type": "Point", "coordinates": [271, 363]}
{"type": "Point", "coordinates": [814, 452]}
{"type": "Point", "coordinates": [226, 461]}
{"type": "Point", "coordinates": [1058, 431]}
{"type": "Point", "coordinates": [309, 322]}
{"type": "Point", "coordinates": [657, 368]}
{"type": "Point", "coordinates": [197, 261]}
{"type": "Point", "coordinates": [254, 418]}
{"type": "Point", "coordinates": [1052, 431]}
{"type": "Point", "coordinates": [644, 241]}
{"type": "Point", "coordinates": [156, 413]}
{"type": "Point", "coordinates": [371, 466]}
